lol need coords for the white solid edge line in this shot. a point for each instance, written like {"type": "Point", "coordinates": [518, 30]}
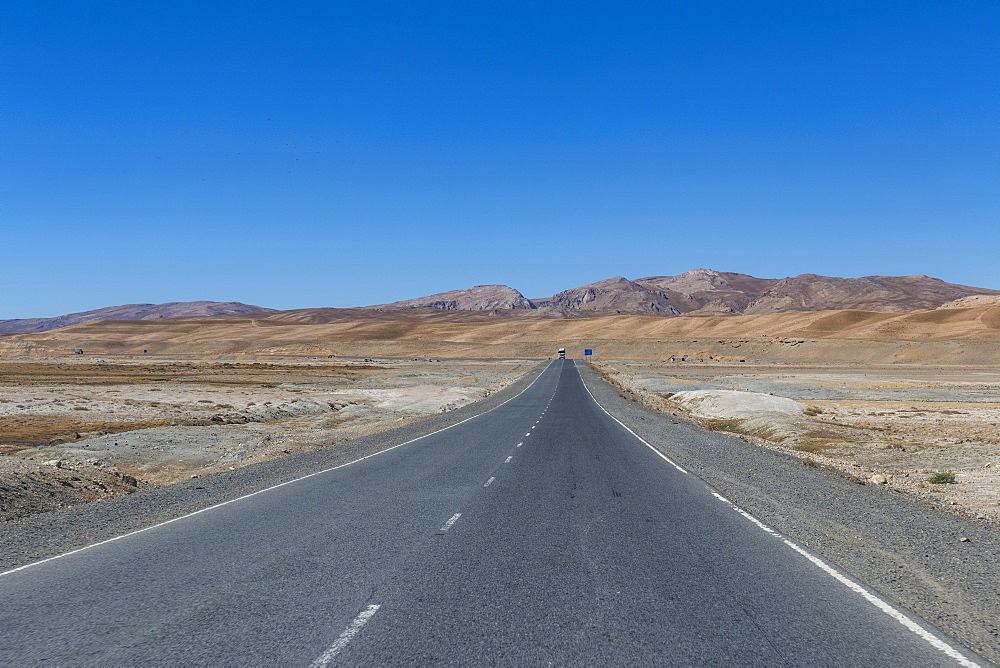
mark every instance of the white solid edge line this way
{"type": "Point", "coordinates": [933, 640]}
{"type": "Point", "coordinates": [641, 439]}
{"type": "Point", "coordinates": [326, 657]}
{"type": "Point", "coordinates": [451, 521]}
{"type": "Point", "coordinates": [266, 489]}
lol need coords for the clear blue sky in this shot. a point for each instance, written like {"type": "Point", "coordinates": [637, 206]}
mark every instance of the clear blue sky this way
{"type": "Point", "coordinates": [295, 154]}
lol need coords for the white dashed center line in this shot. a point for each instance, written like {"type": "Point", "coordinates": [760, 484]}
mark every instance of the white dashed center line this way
{"type": "Point", "coordinates": [487, 484]}
{"type": "Point", "coordinates": [520, 444]}
{"type": "Point", "coordinates": [450, 522]}
{"type": "Point", "coordinates": [327, 657]}
{"type": "Point", "coordinates": [507, 461]}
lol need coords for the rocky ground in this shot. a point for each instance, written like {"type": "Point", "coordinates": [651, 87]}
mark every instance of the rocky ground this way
{"type": "Point", "coordinates": [79, 429]}
{"type": "Point", "coordinates": [892, 425]}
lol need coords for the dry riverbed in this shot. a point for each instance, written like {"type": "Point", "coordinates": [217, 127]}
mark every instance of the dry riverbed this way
{"type": "Point", "coordinates": [80, 429]}
{"type": "Point", "coordinates": [895, 425]}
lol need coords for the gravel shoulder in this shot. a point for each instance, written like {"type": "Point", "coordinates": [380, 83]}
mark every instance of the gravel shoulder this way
{"type": "Point", "coordinates": [895, 425]}
{"type": "Point", "coordinates": [910, 552]}
{"type": "Point", "coordinates": [42, 535]}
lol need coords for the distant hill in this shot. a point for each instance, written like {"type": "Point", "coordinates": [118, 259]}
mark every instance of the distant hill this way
{"type": "Point", "coordinates": [478, 298]}
{"type": "Point", "coordinates": [708, 292]}
{"type": "Point", "coordinates": [613, 295]}
{"type": "Point", "coordinates": [131, 312]}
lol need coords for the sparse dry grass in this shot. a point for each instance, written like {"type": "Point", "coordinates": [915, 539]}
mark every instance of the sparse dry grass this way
{"type": "Point", "coordinates": [736, 427]}
{"type": "Point", "coordinates": [205, 372]}
{"type": "Point", "coordinates": [30, 431]}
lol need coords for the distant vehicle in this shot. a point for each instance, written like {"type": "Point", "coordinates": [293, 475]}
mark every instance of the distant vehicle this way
{"type": "Point", "coordinates": [562, 353]}
{"type": "Point", "coordinates": [78, 351]}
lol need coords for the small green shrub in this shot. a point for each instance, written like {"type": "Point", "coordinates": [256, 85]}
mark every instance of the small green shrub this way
{"type": "Point", "coordinates": [941, 478]}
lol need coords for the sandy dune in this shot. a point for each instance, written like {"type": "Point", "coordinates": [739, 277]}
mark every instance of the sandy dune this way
{"type": "Point", "coordinates": [952, 336]}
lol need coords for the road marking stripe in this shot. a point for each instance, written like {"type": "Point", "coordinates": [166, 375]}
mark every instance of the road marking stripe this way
{"type": "Point", "coordinates": [450, 522]}
{"type": "Point", "coordinates": [641, 439]}
{"type": "Point", "coordinates": [508, 459]}
{"type": "Point", "coordinates": [528, 434]}
{"type": "Point", "coordinates": [879, 603]}
{"type": "Point", "coordinates": [520, 444]}
{"type": "Point", "coordinates": [487, 483]}
{"type": "Point", "coordinates": [326, 657]}
{"type": "Point", "coordinates": [266, 489]}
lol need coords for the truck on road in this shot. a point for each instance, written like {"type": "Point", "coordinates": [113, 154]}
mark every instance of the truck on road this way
{"type": "Point", "coordinates": [562, 353]}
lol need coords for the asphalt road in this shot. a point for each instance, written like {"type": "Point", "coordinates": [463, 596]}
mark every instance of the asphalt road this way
{"type": "Point", "coordinates": [543, 531]}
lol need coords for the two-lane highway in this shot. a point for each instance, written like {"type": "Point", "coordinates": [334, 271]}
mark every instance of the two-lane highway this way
{"type": "Point", "coordinates": [542, 531]}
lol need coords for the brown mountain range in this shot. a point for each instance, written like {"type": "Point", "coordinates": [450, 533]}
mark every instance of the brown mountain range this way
{"type": "Point", "coordinates": [707, 292]}
{"type": "Point", "coordinates": [131, 312]}
{"type": "Point", "coordinates": [699, 292]}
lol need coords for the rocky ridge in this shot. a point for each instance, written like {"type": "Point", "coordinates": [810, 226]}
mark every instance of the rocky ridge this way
{"type": "Point", "coordinates": [973, 301]}
{"type": "Point", "coordinates": [613, 295]}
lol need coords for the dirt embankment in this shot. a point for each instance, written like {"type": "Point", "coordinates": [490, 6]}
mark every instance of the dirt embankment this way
{"type": "Point", "coordinates": [77, 429]}
{"type": "Point", "coordinates": [883, 425]}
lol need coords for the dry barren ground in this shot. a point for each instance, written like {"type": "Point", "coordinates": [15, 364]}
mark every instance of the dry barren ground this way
{"type": "Point", "coordinates": [945, 336]}
{"type": "Point", "coordinates": [896, 425]}
{"type": "Point", "coordinates": [76, 429]}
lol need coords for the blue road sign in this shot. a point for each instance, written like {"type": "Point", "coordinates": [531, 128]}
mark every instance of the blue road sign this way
{"type": "Point", "coordinates": [588, 351]}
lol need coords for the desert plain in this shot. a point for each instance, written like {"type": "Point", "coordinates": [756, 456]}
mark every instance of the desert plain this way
{"type": "Point", "coordinates": [77, 429]}
{"type": "Point", "coordinates": [881, 398]}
